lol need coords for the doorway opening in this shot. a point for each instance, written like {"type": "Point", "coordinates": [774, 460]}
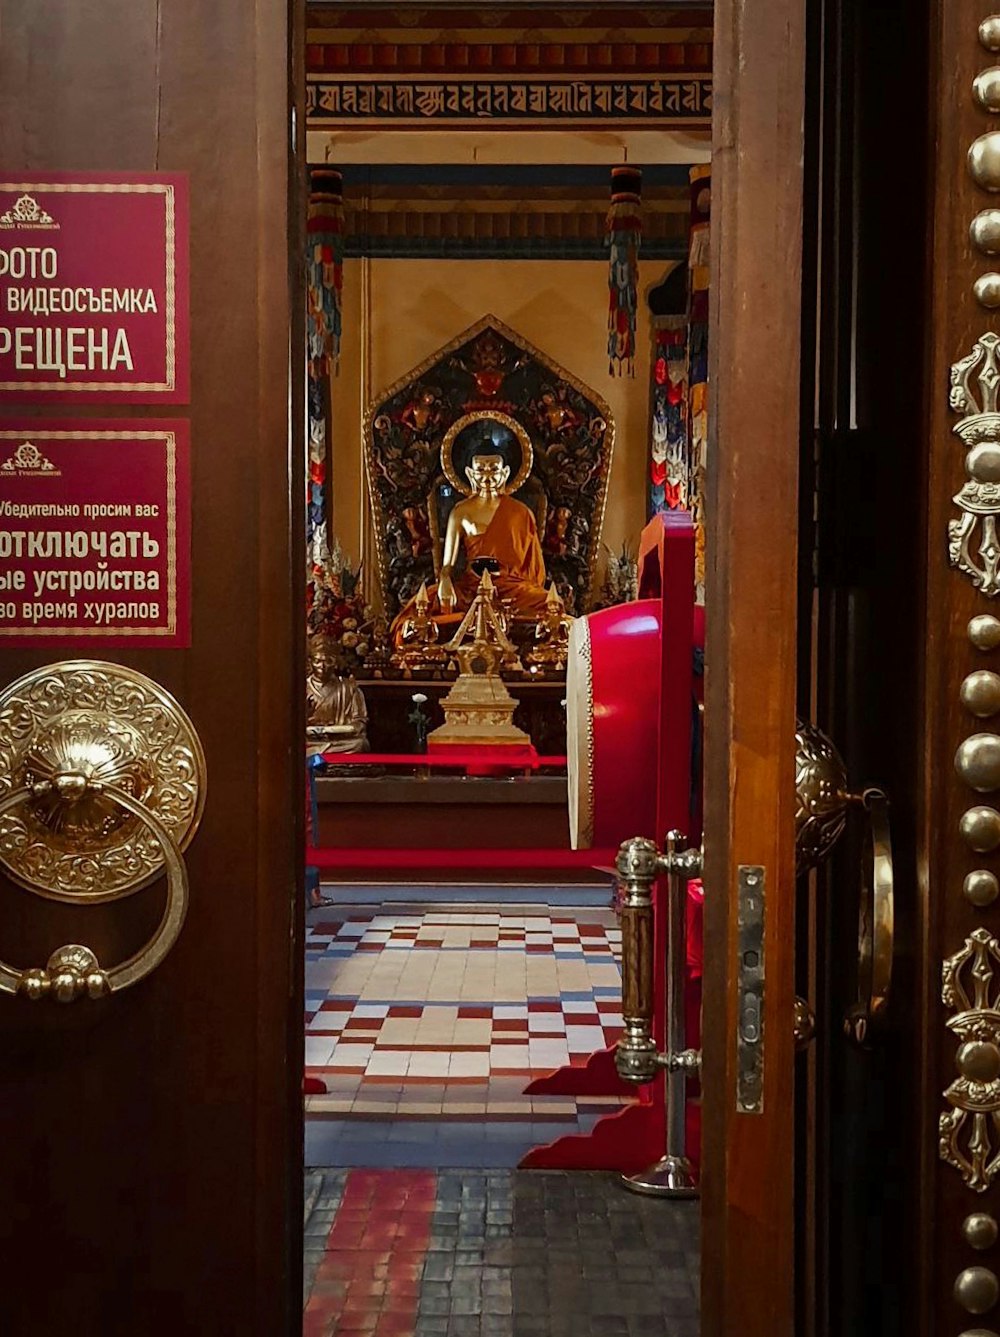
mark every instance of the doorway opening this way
{"type": "Point", "coordinates": [463, 948]}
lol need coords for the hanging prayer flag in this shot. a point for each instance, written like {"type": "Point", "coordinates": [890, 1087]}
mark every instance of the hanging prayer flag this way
{"type": "Point", "coordinates": [324, 287]}
{"type": "Point", "coordinates": [623, 231]}
{"type": "Point", "coordinates": [325, 262]}
{"type": "Point", "coordinates": [698, 282]}
{"type": "Point", "coordinates": [669, 415]}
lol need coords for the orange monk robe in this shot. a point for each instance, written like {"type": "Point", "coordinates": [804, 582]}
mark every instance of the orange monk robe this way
{"type": "Point", "coordinates": [512, 538]}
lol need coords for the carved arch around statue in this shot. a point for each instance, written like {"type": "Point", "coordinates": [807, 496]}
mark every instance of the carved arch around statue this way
{"type": "Point", "coordinates": [488, 390]}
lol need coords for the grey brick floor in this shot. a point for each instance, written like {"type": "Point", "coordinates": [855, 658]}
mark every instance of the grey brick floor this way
{"type": "Point", "coordinates": [540, 1254]}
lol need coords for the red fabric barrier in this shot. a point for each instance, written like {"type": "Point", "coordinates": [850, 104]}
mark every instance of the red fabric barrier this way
{"type": "Point", "coordinates": [514, 758]}
{"type": "Point", "coordinates": [383, 859]}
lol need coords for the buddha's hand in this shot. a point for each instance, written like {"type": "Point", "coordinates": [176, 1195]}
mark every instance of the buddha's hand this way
{"type": "Point", "coordinates": [447, 597]}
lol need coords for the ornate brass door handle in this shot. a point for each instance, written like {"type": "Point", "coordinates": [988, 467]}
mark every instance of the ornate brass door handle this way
{"type": "Point", "coordinates": [823, 802]}
{"type": "Point", "coordinates": [876, 931]}
{"type": "Point", "coordinates": [101, 787]}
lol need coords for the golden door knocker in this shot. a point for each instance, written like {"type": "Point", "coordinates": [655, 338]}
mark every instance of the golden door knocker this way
{"type": "Point", "coordinates": [102, 785]}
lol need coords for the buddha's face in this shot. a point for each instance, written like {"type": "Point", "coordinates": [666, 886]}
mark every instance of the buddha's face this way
{"type": "Point", "coordinates": [488, 474]}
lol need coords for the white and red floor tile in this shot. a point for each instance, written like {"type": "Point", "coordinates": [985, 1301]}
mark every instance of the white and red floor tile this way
{"type": "Point", "coordinates": [447, 1013]}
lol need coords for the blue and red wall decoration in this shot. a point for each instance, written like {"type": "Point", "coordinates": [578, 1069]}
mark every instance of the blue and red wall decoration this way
{"type": "Point", "coordinates": [623, 238]}
{"type": "Point", "coordinates": [679, 392]}
{"type": "Point", "coordinates": [668, 464]}
{"type": "Point", "coordinates": [324, 287]}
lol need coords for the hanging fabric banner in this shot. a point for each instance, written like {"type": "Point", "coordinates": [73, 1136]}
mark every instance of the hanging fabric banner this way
{"type": "Point", "coordinates": [325, 262]}
{"type": "Point", "coordinates": [324, 284]}
{"type": "Point", "coordinates": [668, 464]}
{"type": "Point", "coordinates": [698, 280]}
{"type": "Point", "coordinates": [622, 236]}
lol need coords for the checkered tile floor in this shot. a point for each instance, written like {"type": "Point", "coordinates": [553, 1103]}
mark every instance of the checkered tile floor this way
{"type": "Point", "coordinates": [450, 1012]}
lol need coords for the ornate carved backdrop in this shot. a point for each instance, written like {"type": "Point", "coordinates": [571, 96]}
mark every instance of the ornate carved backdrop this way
{"type": "Point", "coordinates": [491, 372]}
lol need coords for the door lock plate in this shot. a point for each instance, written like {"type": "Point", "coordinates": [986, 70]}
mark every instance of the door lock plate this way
{"type": "Point", "coordinates": [750, 977]}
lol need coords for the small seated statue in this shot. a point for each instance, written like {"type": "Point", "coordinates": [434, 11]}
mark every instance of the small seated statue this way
{"type": "Point", "coordinates": [551, 646]}
{"type": "Point", "coordinates": [336, 713]}
{"type": "Point", "coordinates": [487, 524]}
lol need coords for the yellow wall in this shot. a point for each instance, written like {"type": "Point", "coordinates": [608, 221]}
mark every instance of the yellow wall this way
{"type": "Point", "coordinates": [416, 306]}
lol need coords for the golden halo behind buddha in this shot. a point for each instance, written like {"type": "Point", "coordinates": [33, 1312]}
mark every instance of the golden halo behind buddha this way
{"type": "Point", "coordinates": [468, 426]}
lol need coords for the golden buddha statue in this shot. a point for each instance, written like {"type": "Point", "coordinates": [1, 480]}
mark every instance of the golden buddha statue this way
{"type": "Point", "coordinates": [418, 635]}
{"type": "Point", "coordinates": [551, 647]}
{"type": "Point", "coordinates": [496, 533]}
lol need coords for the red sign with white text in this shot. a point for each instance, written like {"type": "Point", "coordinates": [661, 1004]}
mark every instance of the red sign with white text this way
{"type": "Point", "coordinates": [95, 533]}
{"type": "Point", "coordinates": [94, 287]}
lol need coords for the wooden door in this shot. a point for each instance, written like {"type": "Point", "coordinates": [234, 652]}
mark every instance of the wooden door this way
{"type": "Point", "coordinates": [153, 1139]}
{"type": "Point", "coordinates": [751, 599]}
{"type": "Point", "coordinates": [862, 1146]}
{"type": "Point", "coordinates": [905, 1148]}
{"type": "Point", "coordinates": [954, 1048]}
{"type": "Point", "coordinates": [906, 1139]}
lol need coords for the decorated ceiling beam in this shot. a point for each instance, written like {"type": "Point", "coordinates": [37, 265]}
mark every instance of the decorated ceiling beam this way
{"type": "Point", "coordinates": [527, 15]}
{"type": "Point", "coordinates": [556, 67]}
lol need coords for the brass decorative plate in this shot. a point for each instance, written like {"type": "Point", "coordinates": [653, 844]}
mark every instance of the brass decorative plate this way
{"type": "Point", "coordinates": [821, 797]}
{"type": "Point", "coordinates": [85, 723]}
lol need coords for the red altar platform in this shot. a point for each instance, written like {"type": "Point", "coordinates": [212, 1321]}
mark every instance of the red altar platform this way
{"type": "Point", "coordinates": [382, 810]}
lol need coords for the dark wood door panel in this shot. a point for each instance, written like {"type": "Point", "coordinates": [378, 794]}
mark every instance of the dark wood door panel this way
{"type": "Point", "coordinates": [944, 858]}
{"type": "Point", "coordinates": [152, 1134]}
{"type": "Point", "coordinates": [863, 590]}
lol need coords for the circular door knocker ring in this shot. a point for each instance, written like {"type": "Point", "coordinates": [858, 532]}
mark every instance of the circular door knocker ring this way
{"type": "Point", "coordinates": [102, 786]}
{"type": "Point", "coordinates": [875, 924]}
{"type": "Point", "coordinates": [73, 971]}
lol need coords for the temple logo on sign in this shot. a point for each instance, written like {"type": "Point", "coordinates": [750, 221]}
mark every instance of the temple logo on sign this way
{"type": "Point", "coordinates": [27, 213]}
{"type": "Point", "coordinates": [28, 461]}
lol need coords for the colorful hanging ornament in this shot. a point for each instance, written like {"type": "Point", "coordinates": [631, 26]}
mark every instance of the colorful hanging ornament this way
{"type": "Point", "coordinates": [623, 231]}
{"type": "Point", "coordinates": [324, 285]}
{"type": "Point", "coordinates": [668, 475]}
{"type": "Point", "coordinates": [698, 394]}
{"type": "Point", "coordinates": [325, 263]}
{"type": "Point", "coordinates": [318, 403]}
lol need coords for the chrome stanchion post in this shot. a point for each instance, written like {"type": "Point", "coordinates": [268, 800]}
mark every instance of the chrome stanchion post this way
{"type": "Point", "coordinates": [636, 1057]}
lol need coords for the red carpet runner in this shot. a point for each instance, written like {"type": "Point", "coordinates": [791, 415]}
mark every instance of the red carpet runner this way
{"type": "Point", "coordinates": [368, 1280]}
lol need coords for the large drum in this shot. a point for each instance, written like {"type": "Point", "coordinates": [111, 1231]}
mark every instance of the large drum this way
{"type": "Point", "coordinates": [612, 713]}
{"type": "Point", "coordinates": [612, 705]}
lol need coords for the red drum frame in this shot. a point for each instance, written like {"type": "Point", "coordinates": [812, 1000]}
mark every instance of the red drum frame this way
{"type": "Point", "coordinates": [631, 695]}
